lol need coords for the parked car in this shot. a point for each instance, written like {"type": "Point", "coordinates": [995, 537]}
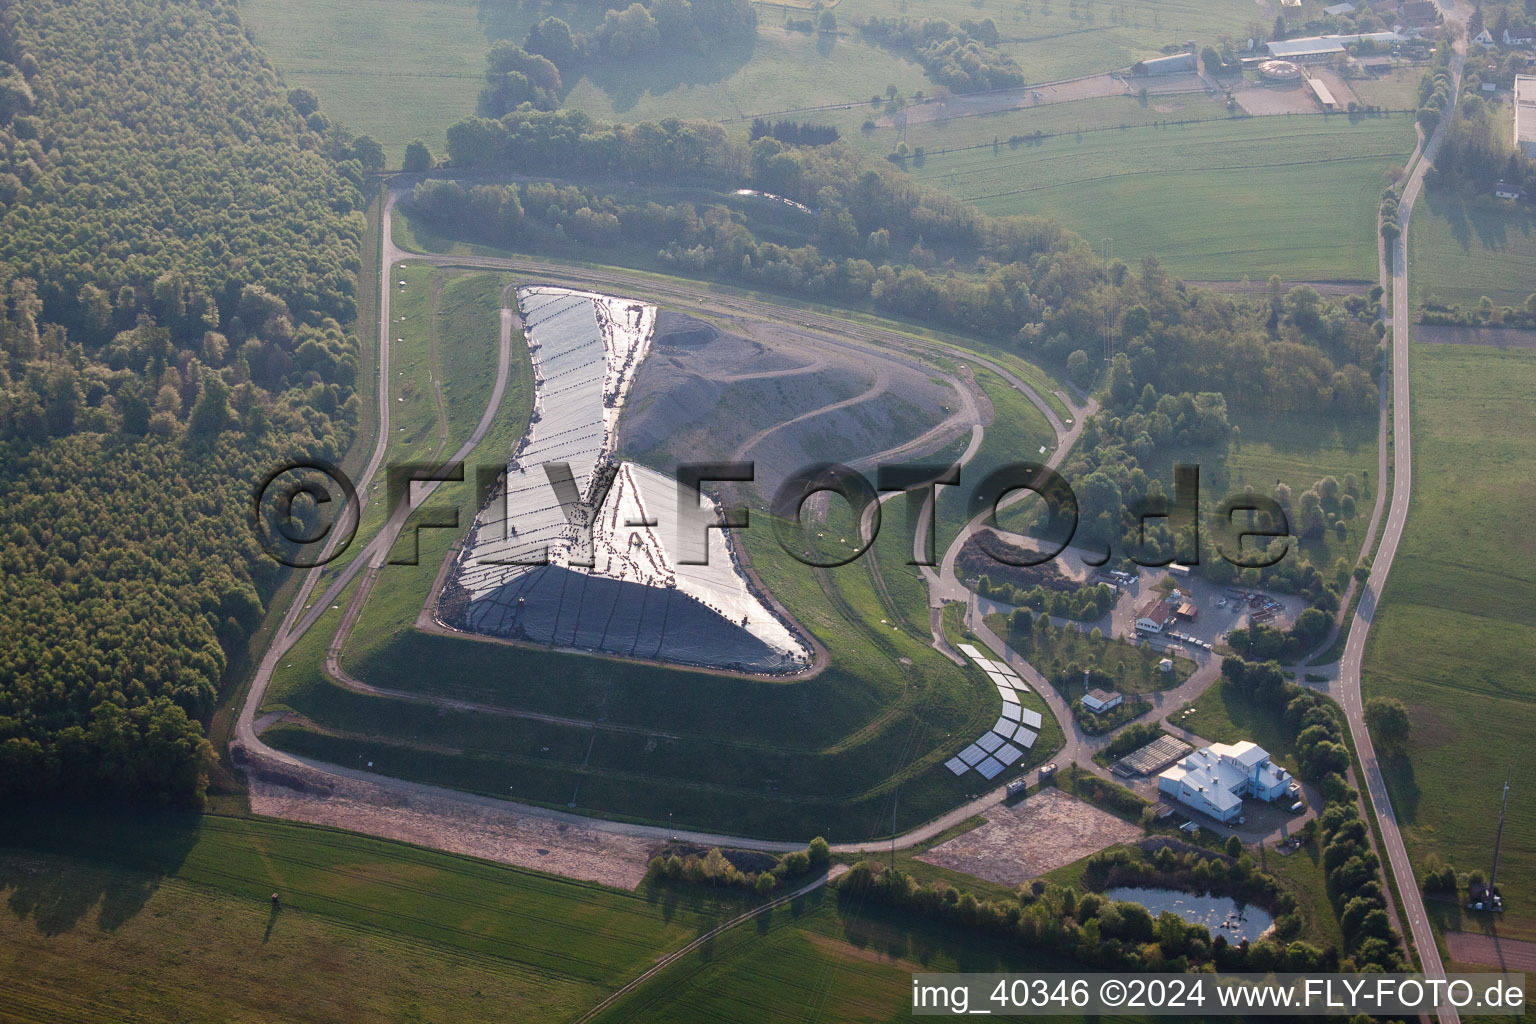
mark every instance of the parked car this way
{"type": "Point", "coordinates": [1298, 806]}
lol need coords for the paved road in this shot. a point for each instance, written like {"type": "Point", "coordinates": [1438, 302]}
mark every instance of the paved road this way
{"type": "Point", "coordinates": [298, 621]}
{"type": "Point", "coordinates": [1348, 685]}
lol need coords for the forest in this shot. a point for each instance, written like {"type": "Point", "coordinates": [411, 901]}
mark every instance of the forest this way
{"type": "Point", "coordinates": [179, 249]}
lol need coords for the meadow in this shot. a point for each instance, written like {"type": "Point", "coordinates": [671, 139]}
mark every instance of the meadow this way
{"type": "Point", "coordinates": [446, 327]}
{"type": "Point", "coordinates": [1018, 431]}
{"type": "Point", "coordinates": [1464, 248]}
{"type": "Point", "coordinates": [402, 69]}
{"type": "Point", "coordinates": [1457, 622]}
{"type": "Point", "coordinates": [399, 69]}
{"type": "Point", "coordinates": [1058, 39]}
{"type": "Point", "coordinates": [1214, 200]}
{"type": "Point", "coordinates": [1298, 451]}
{"type": "Point", "coordinates": [124, 917]}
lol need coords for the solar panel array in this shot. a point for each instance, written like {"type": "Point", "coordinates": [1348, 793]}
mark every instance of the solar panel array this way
{"type": "Point", "coordinates": [1017, 727]}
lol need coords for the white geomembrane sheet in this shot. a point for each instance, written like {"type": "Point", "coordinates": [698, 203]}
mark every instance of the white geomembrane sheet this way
{"type": "Point", "coordinates": [617, 586]}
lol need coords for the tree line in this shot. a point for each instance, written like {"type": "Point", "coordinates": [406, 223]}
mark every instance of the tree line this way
{"type": "Point", "coordinates": [802, 133]}
{"type": "Point", "coordinates": [179, 245]}
{"type": "Point", "coordinates": [872, 240]}
{"type": "Point", "coordinates": [1352, 870]}
{"type": "Point", "coordinates": [962, 57]}
{"type": "Point", "coordinates": [875, 238]}
{"type": "Point", "coordinates": [1111, 934]}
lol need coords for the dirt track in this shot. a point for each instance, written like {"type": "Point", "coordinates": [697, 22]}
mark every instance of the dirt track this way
{"type": "Point", "coordinates": [490, 833]}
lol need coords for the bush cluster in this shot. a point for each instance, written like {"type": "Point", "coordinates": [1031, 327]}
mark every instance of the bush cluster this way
{"type": "Point", "coordinates": [715, 868]}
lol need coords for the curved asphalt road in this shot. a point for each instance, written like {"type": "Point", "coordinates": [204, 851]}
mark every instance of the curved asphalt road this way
{"type": "Point", "coordinates": [1349, 668]}
{"type": "Point", "coordinates": [297, 621]}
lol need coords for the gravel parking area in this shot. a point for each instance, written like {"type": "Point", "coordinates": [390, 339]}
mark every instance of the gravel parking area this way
{"type": "Point", "coordinates": [1036, 835]}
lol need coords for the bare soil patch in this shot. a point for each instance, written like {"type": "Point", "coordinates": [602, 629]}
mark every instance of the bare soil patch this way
{"type": "Point", "coordinates": [1509, 954]}
{"type": "Point", "coordinates": [1269, 98]}
{"type": "Point", "coordinates": [459, 827]}
{"type": "Point", "coordinates": [1498, 337]}
{"type": "Point", "coordinates": [1257, 287]}
{"type": "Point", "coordinates": [1040, 834]}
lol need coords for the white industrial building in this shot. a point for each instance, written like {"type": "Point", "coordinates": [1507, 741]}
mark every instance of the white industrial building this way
{"type": "Point", "coordinates": [1215, 779]}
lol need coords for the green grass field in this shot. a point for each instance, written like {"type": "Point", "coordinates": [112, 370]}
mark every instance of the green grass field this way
{"type": "Point", "coordinates": [402, 69]}
{"type": "Point", "coordinates": [1110, 115]}
{"type": "Point", "coordinates": [1224, 714]}
{"type": "Point", "coordinates": [1056, 39]}
{"type": "Point", "coordinates": [1299, 451]}
{"type": "Point", "coordinates": [1217, 200]}
{"type": "Point", "coordinates": [742, 755]}
{"type": "Point", "coordinates": [446, 325]}
{"type": "Point", "coordinates": [1457, 625]}
{"type": "Point", "coordinates": [119, 917]}
{"type": "Point", "coordinates": [1017, 432]}
{"type": "Point", "coordinates": [1463, 249]}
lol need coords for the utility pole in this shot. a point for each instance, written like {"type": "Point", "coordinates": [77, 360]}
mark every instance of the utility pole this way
{"type": "Point", "coordinates": [1493, 874]}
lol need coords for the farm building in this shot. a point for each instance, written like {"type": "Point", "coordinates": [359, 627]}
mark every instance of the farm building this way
{"type": "Point", "coordinates": [1418, 13]}
{"type": "Point", "coordinates": [1176, 64]}
{"type": "Point", "coordinates": [1215, 779]}
{"type": "Point", "coordinates": [1338, 9]}
{"type": "Point", "coordinates": [1504, 190]}
{"type": "Point", "coordinates": [1312, 49]}
{"type": "Point", "coordinates": [1155, 615]}
{"type": "Point", "coordinates": [1525, 114]}
{"type": "Point", "coordinates": [1282, 71]}
{"type": "Point", "coordinates": [1321, 93]}
{"type": "Point", "coordinates": [1099, 701]}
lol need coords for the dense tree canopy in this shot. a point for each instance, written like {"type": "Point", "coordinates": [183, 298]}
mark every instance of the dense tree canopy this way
{"type": "Point", "coordinates": [963, 57]}
{"type": "Point", "coordinates": [179, 246]}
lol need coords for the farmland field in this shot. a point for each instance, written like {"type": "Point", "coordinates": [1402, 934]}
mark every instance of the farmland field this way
{"type": "Point", "coordinates": [1463, 249]}
{"type": "Point", "coordinates": [1109, 114]}
{"type": "Point", "coordinates": [1458, 619]}
{"type": "Point", "coordinates": [823, 959]}
{"type": "Point", "coordinates": [1052, 39]}
{"type": "Point", "coordinates": [399, 69]}
{"type": "Point", "coordinates": [1217, 200]}
{"type": "Point", "coordinates": [114, 917]}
